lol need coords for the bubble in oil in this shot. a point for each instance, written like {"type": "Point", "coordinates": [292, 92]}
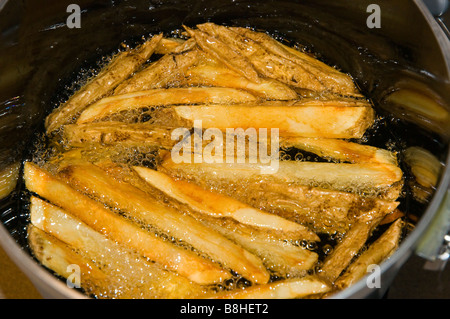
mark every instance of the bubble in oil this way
{"type": "Point", "coordinates": [327, 249]}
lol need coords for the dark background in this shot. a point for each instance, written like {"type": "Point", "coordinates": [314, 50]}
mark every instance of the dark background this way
{"type": "Point", "coordinates": [413, 281]}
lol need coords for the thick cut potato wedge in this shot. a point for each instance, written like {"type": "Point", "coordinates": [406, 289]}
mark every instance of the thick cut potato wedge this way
{"type": "Point", "coordinates": [8, 179]}
{"type": "Point", "coordinates": [223, 53]}
{"type": "Point", "coordinates": [169, 45]}
{"type": "Point", "coordinates": [331, 78]}
{"type": "Point", "coordinates": [141, 278]}
{"type": "Point", "coordinates": [350, 245]}
{"type": "Point", "coordinates": [163, 97]}
{"type": "Point", "coordinates": [217, 205]}
{"type": "Point", "coordinates": [283, 256]}
{"type": "Point", "coordinates": [117, 133]}
{"type": "Point", "coordinates": [311, 118]}
{"type": "Point", "coordinates": [377, 252]}
{"type": "Point", "coordinates": [324, 210]}
{"type": "Point", "coordinates": [120, 68]}
{"type": "Point", "coordinates": [341, 150]}
{"type": "Point", "coordinates": [263, 61]}
{"type": "Point", "coordinates": [358, 178]}
{"type": "Point", "coordinates": [167, 70]}
{"type": "Point", "coordinates": [280, 251]}
{"type": "Point", "coordinates": [94, 214]}
{"type": "Point", "coordinates": [283, 289]}
{"type": "Point", "coordinates": [136, 204]}
{"type": "Point", "coordinates": [63, 260]}
{"type": "Point", "coordinates": [215, 74]}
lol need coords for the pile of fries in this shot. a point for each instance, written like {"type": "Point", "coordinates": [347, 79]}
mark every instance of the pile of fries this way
{"type": "Point", "coordinates": [111, 200]}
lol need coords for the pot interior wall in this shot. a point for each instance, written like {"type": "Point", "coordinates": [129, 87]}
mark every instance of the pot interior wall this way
{"type": "Point", "coordinates": [40, 57]}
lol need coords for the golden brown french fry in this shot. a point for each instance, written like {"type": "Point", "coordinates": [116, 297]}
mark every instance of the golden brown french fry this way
{"type": "Point", "coordinates": [377, 252]}
{"type": "Point", "coordinates": [282, 255]}
{"type": "Point", "coordinates": [425, 167]}
{"type": "Point", "coordinates": [138, 205]}
{"type": "Point", "coordinates": [117, 262]}
{"type": "Point", "coordinates": [62, 260]}
{"type": "Point", "coordinates": [265, 62]}
{"type": "Point", "coordinates": [280, 251]}
{"type": "Point", "coordinates": [417, 103]}
{"type": "Point", "coordinates": [187, 45]}
{"type": "Point", "coordinates": [223, 53]}
{"type": "Point", "coordinates": [341, 150]}
{"type": "Point", "coordinates": [283, 289]}
{"type": "Point", "coordinates": [117, 133]}
{"type": "Point", "coordinates": [350, 245]}
{"type": "Point", "coordinates": [168, 45]}
{"type": "Point", "coordinates": [392, 216]}
{"type": "Point", "coordinates": [94, 214]}
{"type": "Point", "coordinates": [329, 119]}
{"type": "Point", "coordinates": [118, 70]}
{"type": "Point", "coordinates": [214, 74]}
{"type": "Point", "coordinates": [331, 78]}
{"type": "Point", "coordinates": [214, 204]}
{"type": "Point", "coordinates": [324, 211]}
{"type": "Point", "coordinates": [359, 178]}
{"type": "Point", "coordinates": [168, 69]}
{"type": "Point", "coordinates": [163, 97]}
{"type": "Point", "coordinates": [118, 136]}
{"type": "Point", "coordinates": [8, 179]}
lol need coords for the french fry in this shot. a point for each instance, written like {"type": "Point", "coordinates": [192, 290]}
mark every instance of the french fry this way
{"type": "Point", "coordinates": [217, 205]}
{"type": "Point", "coordinates": [8, 179]}
{"type": "Point", "coordinates": [324, 210]}
{"type": "Point", "coordinates": [377, 252]}
{"type": "Point", "coordinates": [169, 45]}
{"type": "Point", "coordinates": [60, 258]}
{"type": "Point", "coordinates": [138, 135]}
{"type": "Point", "coordinates": [162, 97]}
{"type": "Point", "coordinates": [356, 178]}
{"type": "Point", "coordinates": [392, 216]}
{"type": "Point", "coordinates": [350, 245]}
{"type": "Point", "coordinates": [341, 150]}
{"type": "Point", "coordinates": [331, 78]}
{"type": "Point", "coordinates": [282, 255]}
{"type": "Point", "coordinates": [223, 53]}
{"type": "Point", "coordinates": [137, 204]}
{"type": "Point", "coordinates": [118, 70]}
{"type": "Point", "coordinates": [263, 61]}
{"type": "Point", "coordinates": [137, 276]}
{"type": "Point", "coordinates": [214, 74]}
{"type": "Point", "coordinates": [168, 69]}
{"type": "Point", "coordinates": [424, 166]}
{"type": "Point", "coordinates": [419, 104]}
{"type": "Point", "coordinates": [94, 214]}
{"type": "Point", "coordinates": [219, 76]}
{"type": "Point", "coordinates": [330, 119]}
{"type": "Point", "coordinates": [117, 133]}
{"type": "Point", "coordinates": [283, 289]}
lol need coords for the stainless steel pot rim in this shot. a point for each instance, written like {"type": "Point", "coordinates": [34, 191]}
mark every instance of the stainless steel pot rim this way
{"type": "Point", "coordinates": [409, 243]}
{"type": "Point", "coordinates": [46, 283]}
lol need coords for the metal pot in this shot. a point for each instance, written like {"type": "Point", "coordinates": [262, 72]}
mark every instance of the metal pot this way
{"type": "Point", "coordinates": [41, 49]}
